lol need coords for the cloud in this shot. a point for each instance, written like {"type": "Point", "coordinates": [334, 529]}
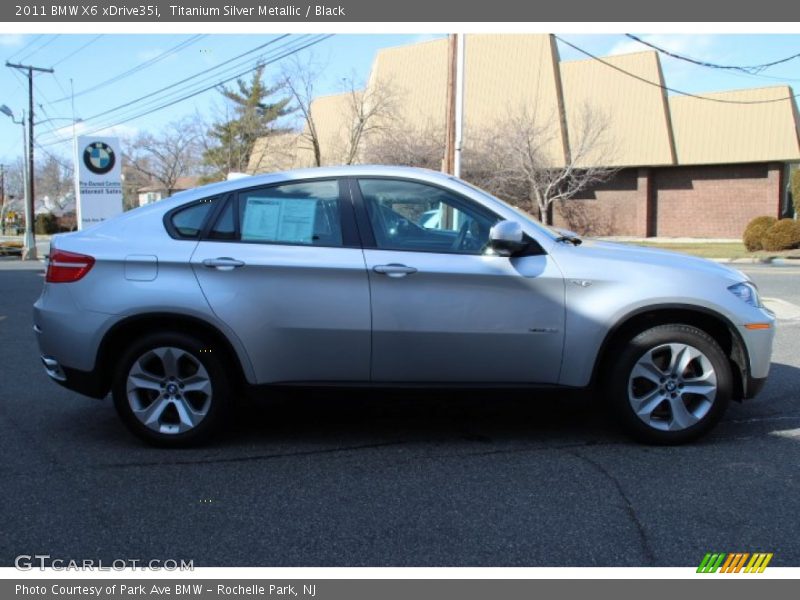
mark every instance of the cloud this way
{"type": "Point", "coordinates": [11, 40]}
{"type": "Point", "coordinates": [148, 54]}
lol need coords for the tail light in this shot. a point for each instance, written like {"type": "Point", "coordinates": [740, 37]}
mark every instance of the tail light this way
{"type": "Point", "coordinates": [66, 267]}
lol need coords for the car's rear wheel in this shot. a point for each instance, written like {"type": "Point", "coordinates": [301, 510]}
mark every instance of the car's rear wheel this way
{"type": "Point", "coordinates": [170, 389]}
{"type": "Point", "coordinates": [670, 384]}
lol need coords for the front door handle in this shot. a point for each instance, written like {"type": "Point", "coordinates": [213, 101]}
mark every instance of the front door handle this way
{"type": "Point", "coordinates": [394, 270]}
{"type": "Point", "coordinates": [223, 263]}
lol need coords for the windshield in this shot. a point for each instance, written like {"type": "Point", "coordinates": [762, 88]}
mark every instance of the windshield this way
{"type": "Point", "coordinates": [549, 231]}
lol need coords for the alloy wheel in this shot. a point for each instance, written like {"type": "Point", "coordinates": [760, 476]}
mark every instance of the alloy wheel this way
{"type": "Point", "coordinates": [672, 387]}
{"type": "Point", "coordinates": [169, 390]}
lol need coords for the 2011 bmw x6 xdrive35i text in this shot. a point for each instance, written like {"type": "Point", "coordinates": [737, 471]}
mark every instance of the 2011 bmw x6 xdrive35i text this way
{"type": "Point", "coordinates": [385, 276]}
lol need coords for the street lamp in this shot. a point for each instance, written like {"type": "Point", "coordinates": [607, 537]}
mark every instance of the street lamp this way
{"type": "Point", "coordinates": [29, 244]}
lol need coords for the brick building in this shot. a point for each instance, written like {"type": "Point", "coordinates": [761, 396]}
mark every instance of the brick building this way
{"type": "Point", "coordinates": [688, 166]}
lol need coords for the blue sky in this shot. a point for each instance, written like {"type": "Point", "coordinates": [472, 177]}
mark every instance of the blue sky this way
{"type": "Point", "coordinates": [92, 59]}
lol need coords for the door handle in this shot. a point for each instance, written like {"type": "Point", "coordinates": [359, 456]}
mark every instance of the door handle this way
{"type": "Point", "coordinates": [394, 270]}
{"type": "Point", "coordinates": [223, 263]}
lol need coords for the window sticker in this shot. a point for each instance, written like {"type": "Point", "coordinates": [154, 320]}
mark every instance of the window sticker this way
{"type": "Point", "coordinates": [287, 220]}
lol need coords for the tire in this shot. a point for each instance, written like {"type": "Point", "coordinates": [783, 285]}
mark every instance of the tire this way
{"type": "Point", "coordinates": [670, 384]}
{"type": "Point", "coordinates": [171, 390]}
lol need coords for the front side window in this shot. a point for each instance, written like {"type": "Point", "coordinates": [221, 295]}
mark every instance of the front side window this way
{"type": "Point", "coordinates": [297, 213]}
{"type": "Point", "coordinates": [407, 215]}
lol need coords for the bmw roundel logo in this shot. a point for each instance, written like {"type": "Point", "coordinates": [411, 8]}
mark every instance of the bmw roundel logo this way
{"type": "Point", "coordinates": [99, 158]}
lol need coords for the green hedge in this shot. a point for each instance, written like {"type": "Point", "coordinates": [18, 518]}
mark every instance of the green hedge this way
{"type": "Point", "coordinates": [46, 223]}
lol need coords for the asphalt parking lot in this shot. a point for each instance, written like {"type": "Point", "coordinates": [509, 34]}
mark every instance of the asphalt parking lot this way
{"type": "Point", "coordinates": [400, 479]}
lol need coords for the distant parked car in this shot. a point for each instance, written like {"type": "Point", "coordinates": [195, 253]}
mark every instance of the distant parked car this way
{"type": "Point", "coordinates": [329, 277]}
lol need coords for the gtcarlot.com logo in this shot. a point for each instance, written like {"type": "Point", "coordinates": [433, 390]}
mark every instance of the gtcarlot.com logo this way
{"type": "Point", "coordinates": [29, 562]}
{"type": "Point", "coordinates": [734, 562]}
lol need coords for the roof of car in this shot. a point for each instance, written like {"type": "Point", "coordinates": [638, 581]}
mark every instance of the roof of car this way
{"type": "Point", "coordinates": [314, 173]}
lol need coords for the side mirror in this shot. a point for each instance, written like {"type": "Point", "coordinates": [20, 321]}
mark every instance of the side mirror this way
{"type": "Point", "coordinates": [506, 238]}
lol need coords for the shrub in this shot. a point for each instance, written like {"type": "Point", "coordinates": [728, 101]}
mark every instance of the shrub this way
{"type": "Point", "coordinates": [783, 235]}
{"type": "Point", "coordinates": [46, 223]}
{"type": "Point", "coordinates": [755, 231]}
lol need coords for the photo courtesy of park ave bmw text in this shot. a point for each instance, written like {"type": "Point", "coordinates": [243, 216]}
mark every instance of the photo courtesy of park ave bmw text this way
{"type": "Point", "coordinates": [430, 300]}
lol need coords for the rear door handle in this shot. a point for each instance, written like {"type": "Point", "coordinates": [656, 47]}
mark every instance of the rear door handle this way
{"type": "Point", "coordinates": [394, 270]}
{"type": "Point", "coordinates": [223, 263]}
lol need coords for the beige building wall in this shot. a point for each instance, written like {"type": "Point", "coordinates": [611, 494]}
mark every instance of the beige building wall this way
{"type": "Point", "coordinates": [635, 115]}
{"type": "Point", "coordinates": [752, 125]}
{"type": "Point", "coordinates": [507, 74]}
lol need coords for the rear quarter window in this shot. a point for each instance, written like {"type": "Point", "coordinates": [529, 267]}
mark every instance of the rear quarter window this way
{"type": "Point", "coordinates": [187, 222]}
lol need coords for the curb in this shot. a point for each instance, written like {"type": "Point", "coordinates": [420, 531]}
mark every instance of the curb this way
{"type": "Point", "coordinates": [770, 260]}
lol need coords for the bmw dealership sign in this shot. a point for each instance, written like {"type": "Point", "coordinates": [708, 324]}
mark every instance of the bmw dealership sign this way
{"type": "Point", "coordinates": [99, 183]}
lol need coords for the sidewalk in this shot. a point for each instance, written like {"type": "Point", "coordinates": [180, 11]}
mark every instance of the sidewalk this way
{"type": "Point", "coordinates": [725, 250]}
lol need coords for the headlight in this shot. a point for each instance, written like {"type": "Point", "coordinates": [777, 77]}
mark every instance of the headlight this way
{"type": "Point", "coordinates": [747, 292]}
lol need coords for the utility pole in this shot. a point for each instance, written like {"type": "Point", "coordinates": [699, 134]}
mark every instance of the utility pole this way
{"type": "Point", "coordinates": [448, 164]}
{"type": "Point", "coordinates": [459, 104]}
{"type": "Point", "coordinates": [455, 104]}
{"type": "Point", "coordinates": [29, 251]}
{"type": "Point", "coordinates": [455, 116]}
{"type": "Point", "coordinates": [2, 199]}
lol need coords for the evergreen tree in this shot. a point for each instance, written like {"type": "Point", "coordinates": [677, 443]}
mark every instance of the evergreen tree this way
{"type": "Point", "coordinates": [254, 115]}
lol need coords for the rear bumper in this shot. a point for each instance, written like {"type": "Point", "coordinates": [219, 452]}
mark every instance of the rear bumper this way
{"type": "Point", "coordinates": [87, 383]}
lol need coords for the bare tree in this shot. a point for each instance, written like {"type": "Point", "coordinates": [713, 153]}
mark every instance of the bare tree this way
{"type": "Point", "coordinates": [372, 111]}
{"type": "Point", "coordinates": [367, 111]}
{"type": "Point", "coordinates": [175, 152]}
{"type": "Point", "coordinates": [408, 147]}
{"type": "Point", "coordinates": [299, 79]}
{"type": "Point", "coordinates": [54, 181]}
{"type": "Point", "coordinates": [517, 159]}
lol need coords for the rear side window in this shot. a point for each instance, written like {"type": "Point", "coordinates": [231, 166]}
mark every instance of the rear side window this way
{"type": "Point", "coordinates": [188, 222]}
{"type": "Point", "coordinates": [299, 213]}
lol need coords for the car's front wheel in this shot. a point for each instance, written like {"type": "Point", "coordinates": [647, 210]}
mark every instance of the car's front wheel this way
{"type": "Point", "coordinates": [670, 384]}
{"type": "Point", "coordinates": [170, 389]}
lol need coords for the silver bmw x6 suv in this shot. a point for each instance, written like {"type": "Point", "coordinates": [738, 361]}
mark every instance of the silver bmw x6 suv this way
{"type": "Point", "coordinates": [385, 276]}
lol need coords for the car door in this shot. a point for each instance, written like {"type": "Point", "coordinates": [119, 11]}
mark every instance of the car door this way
{"type": "Point", "coordinates": [443, 309]}
{"type": "Point", "coordinates": [283, 267]}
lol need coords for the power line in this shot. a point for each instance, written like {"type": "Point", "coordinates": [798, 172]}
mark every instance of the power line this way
{"type": "Point", "coordinates": [60, 161]}
{"type": "Point", "coordinates": [151, 100]}
{"type": "Point", "coordinates": [149, 96]}
{"type": "Point", "coordinates": [148, 63]}
{"type": "Point", "coordinates": [74, 52]}
{"type": "Point", "coordinates": [319, 38]}
{"type": "Point", "coordinates": [217, 84]}
{"type": "Point", "coordinates": [42, 47]}
{"type": "Point", "coordinates": [669, 89]}
{"type": "Point", "coordinates": [35, 39]}
{"type": "Point", "coordinates": [752, 69]}
{"type": "Point", "coordinates": [58, 83]}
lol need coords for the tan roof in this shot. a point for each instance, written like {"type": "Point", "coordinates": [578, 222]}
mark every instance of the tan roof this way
{"type": "Point", "coordinates": [708, 132]}
{"type": "Point", "coordinates": [635, 114]}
